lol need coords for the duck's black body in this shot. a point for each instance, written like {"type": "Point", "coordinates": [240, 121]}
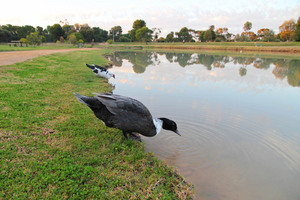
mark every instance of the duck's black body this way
{"type": "Point", "coordinates": [126, 114]}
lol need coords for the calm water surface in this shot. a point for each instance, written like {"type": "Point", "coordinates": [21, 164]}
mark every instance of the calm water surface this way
{"type": "Point", "coordinates": [239, 119]}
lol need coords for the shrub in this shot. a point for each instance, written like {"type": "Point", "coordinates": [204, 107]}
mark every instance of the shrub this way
{"type": "Point", "coordinates": [24, 40]}
{"type": "Point", "coordinates": [124, 39]}
{"type": "Point", "coordinates": [218, 39]}
{"type": "Point", "coordinates": [110, 41]}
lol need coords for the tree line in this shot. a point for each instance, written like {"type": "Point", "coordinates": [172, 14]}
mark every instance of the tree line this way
{"type": "Point", "coordinates": [80, 33]}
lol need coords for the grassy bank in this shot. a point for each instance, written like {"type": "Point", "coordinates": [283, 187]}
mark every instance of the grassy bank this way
{"type": "Point", "coordinates": [53, 147]}
{"type": "Point", "coordinates": [267, 47]}
{"type": "Point", "coordinates": [270, 47]}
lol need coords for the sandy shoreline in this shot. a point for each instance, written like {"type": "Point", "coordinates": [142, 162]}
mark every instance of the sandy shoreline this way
{"type": "Point", "coordinates": [11, 57]}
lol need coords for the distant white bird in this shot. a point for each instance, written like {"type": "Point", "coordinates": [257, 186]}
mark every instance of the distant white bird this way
{"type": "Point", "coordinates": [101, 71]}
{"type": "Point", "coordinates": [126, 114]}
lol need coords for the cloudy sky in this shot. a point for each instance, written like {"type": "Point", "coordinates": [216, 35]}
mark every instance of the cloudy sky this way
{"type": "Point", "coordinates": [169, 15]}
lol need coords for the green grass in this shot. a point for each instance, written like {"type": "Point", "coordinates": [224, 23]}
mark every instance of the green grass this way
{"type": "Point", "coordinates": [53, 147]}
{"type": "Point", "coordinates": [269, 47]}
{"type": "Point", "coordinates": [210, 43]}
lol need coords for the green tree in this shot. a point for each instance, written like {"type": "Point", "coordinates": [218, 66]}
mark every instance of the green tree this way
{"type": "Point", "coordinates": [144, 34]}
{"type": "Point", "coordinates": [139, 23]}
{"type": "Point", "coordinates": [184, 35]}
{"type": "Point", "coordinates": [68, 29]}
{"type": "Point", "coordinates": [23, 31]}
{"type": "Point", "coordinates": [73, 38]}
{"type": "Point", "coordinates": [170, 37]}
{"type": "Point", "coordinates": [87, 32]}
{"type": "Point", "coordinates": [12, 30]}
{"type": "Point", "coordinates": [247, 26]}
{"type": "Point", "coordinates": [5, 35]}
{"type": "Point", "coordinates": [297, 32]}
{"type": "Point", "coordinates": [269, 35]}
{"type": "Point", "coordinates": [100, 34]}
{"type": "Point", "coordinates": [55, 32]}
{"type": "Point", "coordinates": [115, 32]}
{"type": "Point", "coordinates": [208, 35]}
{"type": "Point", "coordinates": [34, 38]}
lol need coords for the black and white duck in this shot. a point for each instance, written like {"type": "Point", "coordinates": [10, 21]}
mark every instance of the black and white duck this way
{"type": "Point", "coordinates": [126, 114]}
{"type": "Point", "coordinates": [101, 71]}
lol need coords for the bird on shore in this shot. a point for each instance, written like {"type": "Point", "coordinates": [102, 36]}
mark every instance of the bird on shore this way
{"type": "Point", "coordinates": [100, 71]}
{"type": "Point", "coordinates": [126, 114]}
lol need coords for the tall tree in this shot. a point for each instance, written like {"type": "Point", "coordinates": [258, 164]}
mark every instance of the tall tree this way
{"type": "Point", "coordinates": [170, 37]}
{"type": "Point", "coordinates": [115, 32]}
{"type": "Point", "coordinates": [287, 30]}
{"type": "Point", "coordinates": [297, 32]}
{"type": "Point", "coordinates": [100, 34]}
{"type": "Point", "coordinates": [247, 26]}
{"type": "Point", "coordinates": [144, 34]}
{"type": "Point", "coordinates": [184, 35]}
{"type": "Point", "coordinates": [156, 33]}
{"type": "Point", "coordinates": [23, 31]}
{"type": "Point", "coordinates": [56, 31]}
{"type": "Point", "coordinates": [87, 32]}
{"type": "Point", "coordinates": [269, 35]}
{"type": "Point", "coordinates": [5, 35]}
{"type": "Point", "coordinates": [139, 23]}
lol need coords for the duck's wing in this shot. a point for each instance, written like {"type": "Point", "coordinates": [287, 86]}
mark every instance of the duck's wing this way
{"type": "Point", "coordinates": [128, 114]}
{"type": "Point", "coordinates": [101, 68]}
{"type": "Point", "coordinates": [118, 104]}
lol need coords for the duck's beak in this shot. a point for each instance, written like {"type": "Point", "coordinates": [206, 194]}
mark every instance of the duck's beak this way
{"type": "Point", "coordinates": [177, 132]}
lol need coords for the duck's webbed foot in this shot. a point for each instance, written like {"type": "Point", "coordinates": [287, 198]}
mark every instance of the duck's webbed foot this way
{"type": "Point", "coordinates": [132, 136]}
{"type": "Point", "coordinates": [136, 137]}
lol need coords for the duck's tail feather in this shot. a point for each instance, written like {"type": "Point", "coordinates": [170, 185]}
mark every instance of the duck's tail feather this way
{"type": "Point", "coordinates": [81, 98]}
{"type": "Point", "coordinates": [90, 66]}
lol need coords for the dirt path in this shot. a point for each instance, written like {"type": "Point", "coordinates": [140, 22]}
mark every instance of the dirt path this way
{"type": "Point", "coordinates": [11, 57]}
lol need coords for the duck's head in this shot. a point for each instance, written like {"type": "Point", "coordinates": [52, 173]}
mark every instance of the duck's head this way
{"type": "Point", "coordinates": [169, 125]}
{"type": "Point", "coordinates": [111, 75]}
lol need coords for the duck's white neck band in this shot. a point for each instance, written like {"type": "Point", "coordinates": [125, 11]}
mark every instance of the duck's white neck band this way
{"type": "Point", "coordinates": [158, 125]}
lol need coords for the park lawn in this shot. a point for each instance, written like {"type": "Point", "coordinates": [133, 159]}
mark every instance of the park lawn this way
{"type": "Point", "coordinates": [53, 147]}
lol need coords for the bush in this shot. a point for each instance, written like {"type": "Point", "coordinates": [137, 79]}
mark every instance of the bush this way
{"type": "Point", "coordinates": [124, 39]}
{"type": "Point", "coordinates": [110, 41]}
{"type": "Point", "coordinates": [218, 39]}
{"type": "Point", "coordinates": [80, 41]}
{"type": "Point", "coordinates": [24, 40]}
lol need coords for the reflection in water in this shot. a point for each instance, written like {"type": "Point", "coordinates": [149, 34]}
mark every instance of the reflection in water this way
{"type": "Point", "coordinates": [238, 117]}
{"type": "Point", "coordinates": [284, 68]}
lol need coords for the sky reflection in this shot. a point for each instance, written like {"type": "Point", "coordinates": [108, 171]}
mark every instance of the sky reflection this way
{"type": "Point", "coordinates": [238, 117]}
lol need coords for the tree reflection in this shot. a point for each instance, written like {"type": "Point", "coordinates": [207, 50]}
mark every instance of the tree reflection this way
{"type": "Point", "coordinates": [283, 68]}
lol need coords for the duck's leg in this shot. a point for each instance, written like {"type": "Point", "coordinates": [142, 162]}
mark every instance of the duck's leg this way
{"type": "Point", "coordinates": [125, 135]}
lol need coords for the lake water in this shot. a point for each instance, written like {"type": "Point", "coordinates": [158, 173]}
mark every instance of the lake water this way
{"type": "Point", "coordinates": [239, 118]}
